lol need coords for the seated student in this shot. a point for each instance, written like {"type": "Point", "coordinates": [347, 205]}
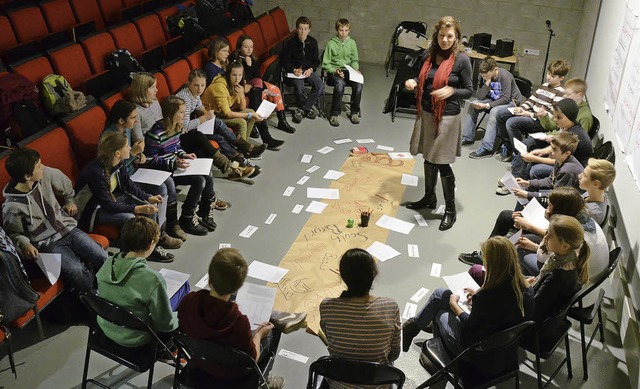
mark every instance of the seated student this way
{"type": "Point", "coordinates": [226, 96]}
{"type": "Point", "coordinates": [358, 325]}
{"type": "Point", "coordinates": [300, 57]}
{"type": "Point", "coordinates": [509, 126]}
{"type": "Point", "coordinates": [256, 88]}
{"type": "Point", "coordinates": [503, 301]}
{"type": "Point", "coordinates": [164, 152]}
{"type": "Point", "coordinates": [106, 194]}
{"type": "Point", "coordinates": [498, 90]}
{"type": "Point", "coordinates": [218, 59]}
{"type": "Point", "coordinates": [211, 315]}
{"type": "Point", "coordinates": [193, 141]}
{"type": "Point", "coordinates": [342, 50]}
{"type": "Point", "coordinates": [597, 176]}
{"type": "Point", "coordinates": [128, 281]}
{"type": "Point", "coordinates": [35, 221]}
{"type": "Point", "coordinates": [143, 93]}
{"type": "Point", "coordinates": [122, 117]}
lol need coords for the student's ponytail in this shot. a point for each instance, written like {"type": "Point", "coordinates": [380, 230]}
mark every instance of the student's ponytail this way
{"type": "Point", "coordinates": [582, 264]}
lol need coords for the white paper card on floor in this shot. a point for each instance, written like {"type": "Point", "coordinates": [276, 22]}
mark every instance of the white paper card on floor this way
{"type": "Point", "coordinates": [395, 224]}
{"type": "Point", "coordinates": [291, 355]}
{"type": "Point", "coordinates": [224, 245]}
{"type": "Point", "coordinates": [50, 264]}
{"type": "Point", "coordinates": [326, 150]}
{"type": "Point", "coordinates": [401, 155]}
{"type": "Point", "coordinates": [197, 167]}
{"type": "Point", "coordinates": [419, 295]}
{"type": "Point", "coordinates": [289, 191]}
{"type": "Point", "coordinates": [270, 218]}
{"type": "Point", "coordinates": [435, 270]}
{"type": "Point", "coordinates": [316, 207]}
{"type": "Point", "coordinates": [174, 279]}
{"type": "Point", "coordinates": [333, 175]}
{"type": "Point", "coordinates": [207, 127]}
{"type": "Point", "coordinates": [385, 148]}
{"type": "Point", "coordinates": [367, 140]}
{"type": "Point", "coordinates": [421, 220]}
{"type": "Point", "coordinates": [150, 176]}
{"type": "Point", "coordinates": [204, 282]}
{"type": "Point", "coordinates": [303, 180]}
{"type": "Point", "coordinates": [306, 158]}
{"type": "Point", "coordinates": [266, 108]}
{"type": "Point", "coordinates": [382, 251]}
{"type": "Point", "coordinates": [534, 213]}
{"type": "Point", "coordinates": [248, 231]}
{"type": "Point", "coordinates": [256, 302]}
{"type": "Point", "coordinates": [412, 250]}
{"type": "Point", "coordinates": [313, 168]}
{"type": "Point", "coordinates": [342, 141]}
{"type": "Point", "coordinates": [264, 271]}
{"type": "Point", "coordinates": [323, 193]}
{"type": "Point", "coordinates": [298, 208]}
{"type": "Point", "coordinates": [409, 180]}
{"type": "Point", "coordinates": [410, 311]}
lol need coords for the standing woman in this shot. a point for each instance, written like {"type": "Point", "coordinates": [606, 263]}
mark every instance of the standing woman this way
{"type": "Point", "coordinates": [444, 81]}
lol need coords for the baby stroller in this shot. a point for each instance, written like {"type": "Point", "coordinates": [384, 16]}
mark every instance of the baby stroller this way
{"type": "Point", "coordinates": [400, 99]}
{"type": "Point", "coordinates": [408, 37]}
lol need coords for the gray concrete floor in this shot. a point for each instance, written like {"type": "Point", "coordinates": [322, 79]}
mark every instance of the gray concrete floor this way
{"type": "Point", "coordinates": [57, 362]}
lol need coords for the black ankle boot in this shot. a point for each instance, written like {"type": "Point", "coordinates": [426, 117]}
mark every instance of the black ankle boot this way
{"type": "Point", "coordinates": [282, 123]}
{"type": "Point", "coordinates": [449, 190]}
{"type": "Point", "coordinates": [429, 200]}
{"type": "Point", "coordinates": [272, 144]}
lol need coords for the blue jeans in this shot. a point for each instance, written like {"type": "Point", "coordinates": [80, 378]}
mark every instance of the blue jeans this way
{"type": "Point", "coordinates": [226, 139]}
{"type": "Point", "coordinates": [305, 103]}
{"type": "Point", "coordinates": [167, 190]}
{"type": "Point", "coordinates": [338, 83]}
{"type": "Point", "coordinates": [75, 247]}
{"type": "Point", "coordinates": [445, 324]}
{"type": "Point", "coordinates": [469, 126]}
{"type": "Point", "coordinates": [540, 170]}
{"type": "Point", "coordinates": [517, 126]}
{"type": "Point", "coordinates": [200, 189]}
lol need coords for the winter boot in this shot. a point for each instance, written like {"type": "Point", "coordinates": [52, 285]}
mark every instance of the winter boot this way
{"type": "Point", "coordinates": [173, 227]}
{"type": "Point", "coordinates": [429, 200]}
{"type": "Point", "coordinates": [250, 150]}
{"type": "Point", "coordinates": [449, 190]}
{"type": "Point", "coordinates": [232, 168]}
{"type": "Point", "coordinates": [282, 123]}
{"type": "Point", "coordinates": [272, 144]}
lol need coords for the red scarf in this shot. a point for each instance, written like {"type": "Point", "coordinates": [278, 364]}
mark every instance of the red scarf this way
{"type": "Point", "coordinates": [440, 80]}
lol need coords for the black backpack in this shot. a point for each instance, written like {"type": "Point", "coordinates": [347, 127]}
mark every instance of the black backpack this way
{"type": "Point", "coordinates": [20, 115]}
{"type": "Point", "coordinates": [16, 294]}
{"type": "Point", "coordinates": [212, 17]}
{"type": "Point", "coordinates": [185, 23]}
{"type": "Point", "coordinates": [122, 64]}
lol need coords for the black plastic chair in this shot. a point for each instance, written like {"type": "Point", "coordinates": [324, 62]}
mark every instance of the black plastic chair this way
{"type": "Point", "coordinates": [205, 352]}
{"type": "Point", "coordinates": [354, 372]}
{"type": "Point", "coordinates": [139, 359]}
{"type": "Point", "coordinates": [586, 315]}
{"type": "Point", "coordinates": [419, 28]}
{"type": "Point", "coordinates": [524, 85]}
{"type": "Point", "coordinates": [595, 127]}
{"type": "Point", "coordinates": [605, 151]}
{"type": "Point", "coordinates": [466, 370]}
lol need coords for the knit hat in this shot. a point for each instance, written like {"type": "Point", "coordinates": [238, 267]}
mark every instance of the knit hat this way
{"type": "Point", "coordinates": [569, 108]}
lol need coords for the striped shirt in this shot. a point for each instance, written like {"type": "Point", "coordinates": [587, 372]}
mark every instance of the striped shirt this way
{"type": "Point", "coordinates": [544, 96]}
{"type": "Point", "coordinates": [367, 331]}
{"type": "Point", "coordinates": [162, 149]}
{"type": "Point", "coordinates": [192, 104]}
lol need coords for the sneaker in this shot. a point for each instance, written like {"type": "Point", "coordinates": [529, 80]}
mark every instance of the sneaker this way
{"type": "Point", "coordinates": [207, 220]}
{"type": "Point", "coordinates": [467, 142]}
{"type": "Point", "coordinates": [221, 205]}
{"type": "Point", "coordinates": [169, 242]}
{"type": "Point", "coordinates": [191, 225]}
{"type": "Point", "coordinates": [159, 255]}
{"type": "Point", "coordinates": [355, 118]}
{"type": "Point", "coordinates": [240, 172]}
{"type": "Point", "coordinates": [297, 116]}
{"type": "Point", "coordinates": [470, 259]}
{"type": "Point", "coordinates": [256, 171]}
{"type": "Point", "coordinates": [480, 154]}
{"type": "Point", "coordinates": [255, 151]}
{"type": "Point", "coordinates": [409, 331]}
{"type": "Point", "coordinates": [288, 322]}
{"type": "Point", "coordinates": [502, 191]}
{"type": "Point", "coordinates": [275, 382]}
{"type": "Point", "coordinates": [310, 114]}
{"type": "Point", "coordinates": [507, 158]}
{"type": "Point", "coordinates": [500, 184]}
{"type": "Point", "coordinates": [333, 120]}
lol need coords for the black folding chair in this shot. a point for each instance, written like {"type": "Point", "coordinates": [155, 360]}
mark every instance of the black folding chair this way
{"type": "Point", "coordinates": [605, 151]}
{"type": "Point", "coordinates": [349, 371]}
{"type": "Point", "coordinates": [595, 128]}
{"type": "Point", "coordinates": [139, 359]}
{"type": "Point", "coordinates": [524, 85]}
{"type": "Point", "coordinates": [469, 369]}
{"type": "Point", "coordinates": [417, 28]}
{"type": "Point", "coordinates": [586, 315]}
{"type": "Point", "coordinates": [288, 90]}
{"type": "Point", "coordinates": [7, 338]}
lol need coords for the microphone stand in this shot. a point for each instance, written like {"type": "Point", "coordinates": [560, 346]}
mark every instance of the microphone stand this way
{"type": "Point", "coordinates": [546, 57]}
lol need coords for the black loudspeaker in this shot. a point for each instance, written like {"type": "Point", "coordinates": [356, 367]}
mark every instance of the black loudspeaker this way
{"type": "Point", "coordinates": [504, 48]}
{"type": "Point", "coordinates": [481, 39]}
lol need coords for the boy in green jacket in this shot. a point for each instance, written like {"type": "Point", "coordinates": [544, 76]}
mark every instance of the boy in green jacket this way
{"type": "Point", "coordinates": [126, 280]}
{"type": "Point", "coordinates": [341, 50]}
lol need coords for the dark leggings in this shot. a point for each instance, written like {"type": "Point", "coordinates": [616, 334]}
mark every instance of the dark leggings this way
{"type": "Point", "coordinates": [444, 169]}
{"type": "Point", "coordinates": [196, 142]}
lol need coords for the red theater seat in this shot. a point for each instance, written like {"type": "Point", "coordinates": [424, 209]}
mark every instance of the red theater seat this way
{"type": "Point", "coordinates": [59, 15]}
{"type": "Point", "coordinates": [176, 74]}
{"type": "Point", "coordinates": [88, 11]}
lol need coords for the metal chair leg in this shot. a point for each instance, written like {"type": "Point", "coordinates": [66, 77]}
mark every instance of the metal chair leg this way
{"type": "Point", "coordinates": [583, 345]}
{"type": "Point", "coordinates": [601, 324]}
{"type": "Point", "coordinates": [569, 369]}
{"type": "Point", "coordinates": [150, 380]}
{"type": "Point", "coordinates": [86, 367]}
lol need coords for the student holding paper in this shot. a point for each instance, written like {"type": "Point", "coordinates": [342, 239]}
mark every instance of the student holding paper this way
{"type": "Point", "coordinates": [342, 50]}
{"type": "Point", "coordinates": [256, 88]}
{"type": "Point", "coordinates": [36, 222]}
{"type": "Point", "coordinates": [503, 301]}
{"type": "Point", "coordinates": [212, 315]}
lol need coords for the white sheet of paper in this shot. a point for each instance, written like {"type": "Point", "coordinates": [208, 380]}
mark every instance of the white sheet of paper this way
{"type": "Point", "coordinates": [512, 110]}
{"type": "Point", "coordinates": [323, 193]}
{"type": "Point", "coordinates": [521, 147]}
{"type": "Point", "coordinates": [306, 158]}
{"type": "Point", "coordinates": [204, 282]}
{"type": "Point", "coordinates": [50, 264]}
{"type": "Point", "coordinates": [313, 168]}
{"type": "Point", "coordinates": [303, 180]}
{"type": "Point", "coordinates": [264, 271]}
{"type": "Point", "coordinates": [174, 280]}
{"type": "Point", "coordinates": [326, 150]}
{"type": "Point", "coordinates": [368, 140]}
{"type": "Point", "coordinates": [412, 249]}
{"type": "Point", "coordinates": [514, 238]}
{"type": "Point", "coordinates": [534, 213]}
{"type": "Point", "coordinates": [162, 211]}
{"type": "Point", "coordinates": [291, 75]}
{"type": "Point", "coordinates": [298, 208]}
{"type": "Point", "coordinates": [401, 155]}
{"type": "Point", "coordinates": [510, 182]}
{"type": "Point", "coordinates": [538, 135]}
{"type": "Point", "coordinates": [207, 127]}
{"type": "Point", "coordinates": [256, 302]}
{"type": "Point", "coordinates": [341, 141]}
{"type": "Point", "coordinates": [150, 176]}
{"type": "Point", "coordinates": [291, 355]}
{"type": "Point", "coordinates": [316, 207]}
{"type": "Point", "coordinates": [385, 148]}
{"type": "Point", "coordinates": [419, 295]}
{"type": "Point", "coordinates": [408, 179]}
{"type": "Point", "coordinates": [333, 175]}
{"type": "Point", "coordinates": [354, 75]}
{"type": "Point", "coordinates": [197, 167]}
{"type": "Point", "coordinates": [457, 283]}
{"type": "Point", "coordinates": [435, 270]}
{"type": "Point", "coordinates": [266, 108]}
{"type": "Point", "coordinates": [270, 218]}
{"type": "Point", "coordinates": [287, 192]}
{"type": "Point", "coordinates": [395, 224]}
{"type": "Point", "coordinates": [224, 245]}
{"type": "Point", "coordinates": [421, 221]}
{"type": "Point", "coordinates": [440, 210]}
{"type": "Point", "coordinates": [382, 251]}
{"type": "Point", "coordinates": [248, 231]}
{"type": "Point", "coordinates": [409, 311]}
